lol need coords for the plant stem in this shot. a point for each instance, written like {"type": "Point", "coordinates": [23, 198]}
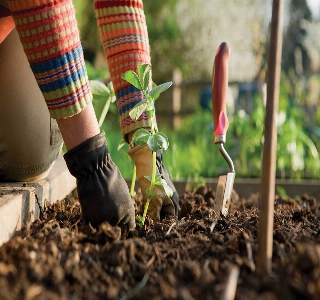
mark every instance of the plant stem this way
{"type": "Point", "coordinates": [154, 170]}
{"type": "Point", "coordinates": [145, 210]}
{"type": "Point", "coordinates": [133, 181]}
{"type": "Point", "coordinates": [104, 111]}
{"type": "Point", "coordinates": [153, 179]}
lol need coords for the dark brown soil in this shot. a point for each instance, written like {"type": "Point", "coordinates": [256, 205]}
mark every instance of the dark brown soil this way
{"type": "Point", "coordinates": [61, 257]}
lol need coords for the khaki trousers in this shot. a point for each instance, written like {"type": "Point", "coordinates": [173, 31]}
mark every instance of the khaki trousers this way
{"type": "Point", "coordinates": [30, 140]}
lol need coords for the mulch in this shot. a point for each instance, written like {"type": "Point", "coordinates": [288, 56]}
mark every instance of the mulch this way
{"type": "Point", "coordinates": [195, 257]}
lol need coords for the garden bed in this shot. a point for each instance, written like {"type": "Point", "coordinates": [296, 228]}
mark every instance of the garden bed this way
{"type": "Point", "coordinates": [60, 257]}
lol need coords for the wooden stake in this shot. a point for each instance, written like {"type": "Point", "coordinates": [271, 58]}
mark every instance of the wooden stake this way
{"type": "Point", "coordinates": [231, 287]}
{"type": "Point", "coordinates": [176, 98]}
{"type": "Point", "coordinates": [267, 188]}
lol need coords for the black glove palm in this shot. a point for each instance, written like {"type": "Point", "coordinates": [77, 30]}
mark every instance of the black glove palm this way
{"type": "Point", "coordinates": [103, 193]}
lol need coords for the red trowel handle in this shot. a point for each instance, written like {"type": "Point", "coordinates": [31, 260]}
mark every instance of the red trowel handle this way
{"type": "Point", "coordinates": [219, 93]}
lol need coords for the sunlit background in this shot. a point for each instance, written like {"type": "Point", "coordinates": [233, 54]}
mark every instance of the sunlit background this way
{"type": "Point", "coordinates": [184, 35]}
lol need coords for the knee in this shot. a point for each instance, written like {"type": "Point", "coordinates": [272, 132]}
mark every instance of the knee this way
{"type": "Point", "coordinates": [27, 176]}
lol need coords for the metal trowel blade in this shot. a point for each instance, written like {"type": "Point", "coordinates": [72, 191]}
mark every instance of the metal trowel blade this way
{"type": "Point", "coordinates": [223, 194]}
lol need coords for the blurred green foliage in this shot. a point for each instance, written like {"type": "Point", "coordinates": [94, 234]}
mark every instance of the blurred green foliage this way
{"type": "Point", "coordinates": [192, 153]}
{"type": "Point", "coordinates": [164, 38]}
{"type": "Point", "coordinates": [163, 32]}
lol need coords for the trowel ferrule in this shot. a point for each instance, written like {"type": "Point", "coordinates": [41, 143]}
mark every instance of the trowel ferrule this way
{"type": "Point", "coordinates": [219, 138]}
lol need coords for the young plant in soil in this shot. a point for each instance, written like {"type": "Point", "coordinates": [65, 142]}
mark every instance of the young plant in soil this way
{"type": "Point", "coordinates": [103, 96]}
{"type": "Point", "coordinates": [155, 140]}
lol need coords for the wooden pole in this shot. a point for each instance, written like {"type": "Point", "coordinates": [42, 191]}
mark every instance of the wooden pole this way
{"type": "Point", "coordinates": [267, 188]}
{"type": "Point", "coordinates": [176, 98]}
{"type": "Point", "coordinates": [229, 292]}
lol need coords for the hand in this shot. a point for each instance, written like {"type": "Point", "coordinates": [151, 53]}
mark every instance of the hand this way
{"type": "Point", "coordinates": [161, 205]}
{"type": "Point", "coordinates": [103, 193]}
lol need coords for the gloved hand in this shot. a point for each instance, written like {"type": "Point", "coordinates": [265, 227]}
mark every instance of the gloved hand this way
{"type": "Point", "coordinates": [160, 205]}
{"type": "Point", "coordinates": [103, 193]}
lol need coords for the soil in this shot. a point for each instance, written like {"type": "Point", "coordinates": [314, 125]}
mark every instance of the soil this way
{"type": "Point", "coordinates": [60, 257]}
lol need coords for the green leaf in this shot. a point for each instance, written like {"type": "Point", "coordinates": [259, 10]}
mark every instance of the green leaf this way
{"type": "Point", "coordinates": [167, 189]}
{"type": "Point", "coordinates": [102, 97]}
{"type": "Point", "coordinates": [153, 85]}
{"type": "Point", "coordinates": [153, 144]}
{"type": "Point", "coordinates": [157, 178]}
{"type": "Point", "coordinates": [113, 99]}
{"type": "Point", "coordinates": [141, 137]}
{"type": "Point", "coordinates": [112, 93]}
{"type": "Point", "coordinates": [144, 72]}
{"type": "Point", "coordinates": [132, 78]}
{"type": "Point", "coordinates": [140, 220]}
{"type": "Point", "coordinates": [99, 89]}
{"type": "Point", "coordinates": [162, 140]}
{"type": "Point", "coordinates": [158, 182]}
{"type": "Point", "coordinates": [155, 93]}
{"type": "Point", "coordinates": [138, 109]}
{"type": "Point", "coordinates": [149, 193]}
{"type": "Point", "coordinates": [121, 143]}
{"type": "Point", "coordinates": [150, 112]}
{"type": "Point", "coordinates": [104, 112]}
{"type": "Point", "coordinates": [161, 182]}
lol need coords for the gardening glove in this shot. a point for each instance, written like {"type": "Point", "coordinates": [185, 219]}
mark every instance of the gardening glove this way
{"type": "Point", "coordinates": [103, 193]}
{"type": "Point", "coordinates": [161, 205]}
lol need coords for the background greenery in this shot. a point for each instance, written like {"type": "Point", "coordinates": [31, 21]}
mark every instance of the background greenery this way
{"type": "Point", "coordinates": [192, 152]}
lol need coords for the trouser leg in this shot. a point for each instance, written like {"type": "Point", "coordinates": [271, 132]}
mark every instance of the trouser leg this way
{"type": "Point", "coordinates": [30, 140]}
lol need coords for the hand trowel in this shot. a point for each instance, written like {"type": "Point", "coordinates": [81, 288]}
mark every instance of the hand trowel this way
{"type": "Point", "coordinates": [219, 99]}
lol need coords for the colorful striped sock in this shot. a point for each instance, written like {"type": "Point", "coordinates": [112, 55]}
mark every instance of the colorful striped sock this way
{"type": "Point", "coordinates": [49, 34]}
{"type": "Point", "coordinates": [123, 31]}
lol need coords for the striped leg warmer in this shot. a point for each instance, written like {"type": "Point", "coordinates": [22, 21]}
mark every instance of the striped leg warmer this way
{"type": "Point", "coordinates": [50, 38]}
{"type": "Point", "coordinates": [123, 31]}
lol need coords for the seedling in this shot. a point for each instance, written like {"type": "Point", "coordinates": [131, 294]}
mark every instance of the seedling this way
{"type": "Point", "coordinates": [154, 140]}
{"type": "Point", "coordinates": [103, 96]}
